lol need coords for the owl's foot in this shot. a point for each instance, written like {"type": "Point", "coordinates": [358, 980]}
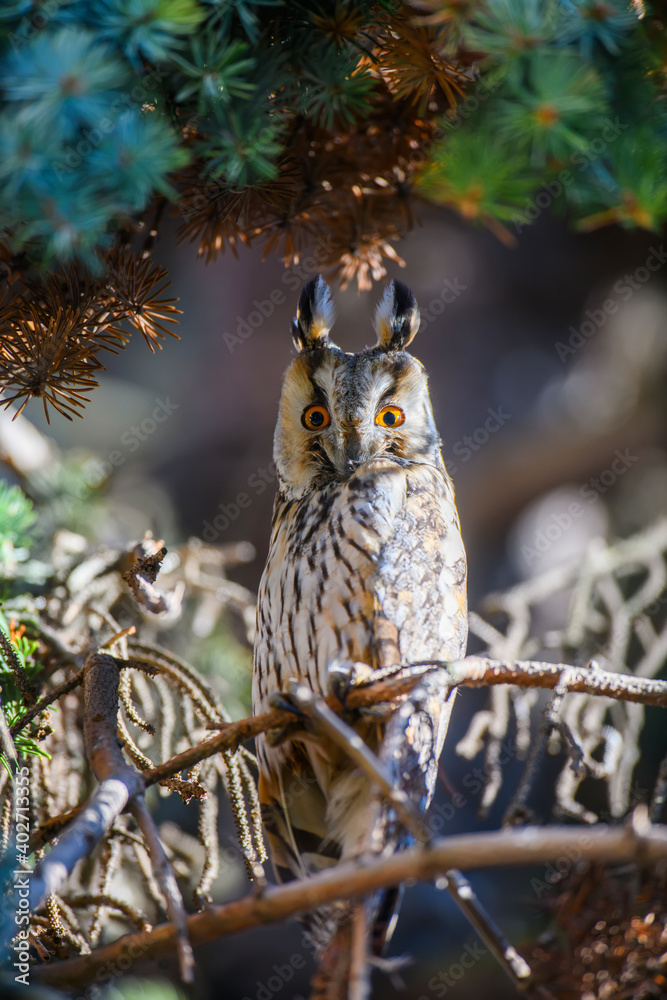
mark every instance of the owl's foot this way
{"type": "Point", "coordinates": [284, 702]}
{"type": "Point", "coordinates": [343, 676]}
{"type": "Point", "coordinates": [339, 732]}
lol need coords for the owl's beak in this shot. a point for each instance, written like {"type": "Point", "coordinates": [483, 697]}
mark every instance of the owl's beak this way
{"type": "Point", "coordinates": [353, 449]}
{"type": "Point", "coordinates": [352, 445]}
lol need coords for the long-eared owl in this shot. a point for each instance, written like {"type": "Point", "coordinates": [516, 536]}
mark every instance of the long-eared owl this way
{"type": "Point", "coordinates": [366, 564]}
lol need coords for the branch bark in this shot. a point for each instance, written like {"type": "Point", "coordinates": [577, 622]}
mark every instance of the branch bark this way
{"type": "Point", "coordinates": [473, 671]}
{"type": "Point", "coordinates": [119, 781]}
{"type": "Point", "coordinates": [638, 841]}
{"type": "Point", "coordinates": [120, 784]}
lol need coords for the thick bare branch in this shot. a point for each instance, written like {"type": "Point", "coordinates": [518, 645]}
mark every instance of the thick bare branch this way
{"type": "Point", "coordinates": [474, 671]}
{"type": "Point", "coordinates": [119, 781]}
{"type": "Point", "coordinates": [531, 845]}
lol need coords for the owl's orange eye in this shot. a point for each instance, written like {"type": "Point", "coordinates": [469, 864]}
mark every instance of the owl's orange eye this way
{"type": "Point", "coordinates": [315, 418]}
{"type": "Point", "coordinates": [390, 416]}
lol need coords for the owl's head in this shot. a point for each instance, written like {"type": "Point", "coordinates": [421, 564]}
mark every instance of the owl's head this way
{"type": "Point", "coordinates": [340, 410]}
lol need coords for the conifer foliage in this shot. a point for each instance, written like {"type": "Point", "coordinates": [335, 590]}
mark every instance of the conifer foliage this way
{"type": "Point", "coordinates": [289, 124]}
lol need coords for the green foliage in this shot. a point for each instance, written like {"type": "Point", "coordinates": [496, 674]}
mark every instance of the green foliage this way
{"type": "Point", "coordinates": [505, 30]}
{"type": "Point", "coordinates": [79, 151]}
{"type": "Point", "coordinates": [216, 73]}
{"type": "Point", "coordinates": [572, 103]}
{"type": "Point", "coordinates": [148, 29]}
{"type": "Point", "coordinates": [16, 518]}
{"type": "Point", "coordinates": [331, 88]}
{"type": "Point", "coordinates": [560, 104]}
{"type": "Point", "coordinates": [470, 169]}
{"type": "Point", "coordinates": [243, 150]}
{"type": "Point", "coordinates": [103, 101]}
{"type": "Point", "coordinates": [589, 25]}
{"type": "Point", "coordinates": [11, 697]}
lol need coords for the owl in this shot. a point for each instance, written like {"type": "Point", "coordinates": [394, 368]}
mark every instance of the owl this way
{"type": "Point", "coordinates": [366, 565]}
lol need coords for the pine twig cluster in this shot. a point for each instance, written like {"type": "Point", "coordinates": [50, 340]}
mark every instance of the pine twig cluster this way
{"type": "Point", "coordinates": [298, 126]}
{"type": "Point", "coordinates": [55, 327]}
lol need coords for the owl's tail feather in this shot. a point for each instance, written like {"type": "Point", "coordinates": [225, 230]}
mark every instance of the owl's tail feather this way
{"type": "Point", "coordinates": [344, 971]}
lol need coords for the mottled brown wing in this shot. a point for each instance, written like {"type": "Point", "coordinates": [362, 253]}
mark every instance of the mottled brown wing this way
{"type": "Point", "coordinates": [422, 598]}
{"type": "Point", "coordinates": [421, 576]}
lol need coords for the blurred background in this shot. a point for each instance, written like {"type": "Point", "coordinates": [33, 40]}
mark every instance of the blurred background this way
{"type": "Point", "coordinates": [548, 369]}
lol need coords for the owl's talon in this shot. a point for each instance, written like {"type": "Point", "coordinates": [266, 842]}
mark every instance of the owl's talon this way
{"type": "Point", "coordinates": [283, 701]}
{"type": "Point", "coordinates": [342, 677]}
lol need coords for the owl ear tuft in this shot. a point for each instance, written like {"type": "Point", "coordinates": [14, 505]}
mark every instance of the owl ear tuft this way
{"type": "Point", "coordinates": [396, 317]}
{"type": "Point", "coordinates": [314, 316]}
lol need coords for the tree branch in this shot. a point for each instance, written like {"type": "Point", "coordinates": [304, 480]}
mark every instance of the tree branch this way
{"type": "Point", "coordinates": [48, 699]}
{"type": "Point", "coordinates": [638, 841]}
{"type": "Point", "coordinates": [473, 671]}
{"type": "Point", "coordinates": [120, 783]}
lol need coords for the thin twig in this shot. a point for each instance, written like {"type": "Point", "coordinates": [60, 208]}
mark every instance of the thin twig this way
{"type": "Point", "coordinates": [169, 886]}
{"type": "Point", "coordinates": [48, 699]}
{"type": "Point", "coordinates": [516, 968]}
